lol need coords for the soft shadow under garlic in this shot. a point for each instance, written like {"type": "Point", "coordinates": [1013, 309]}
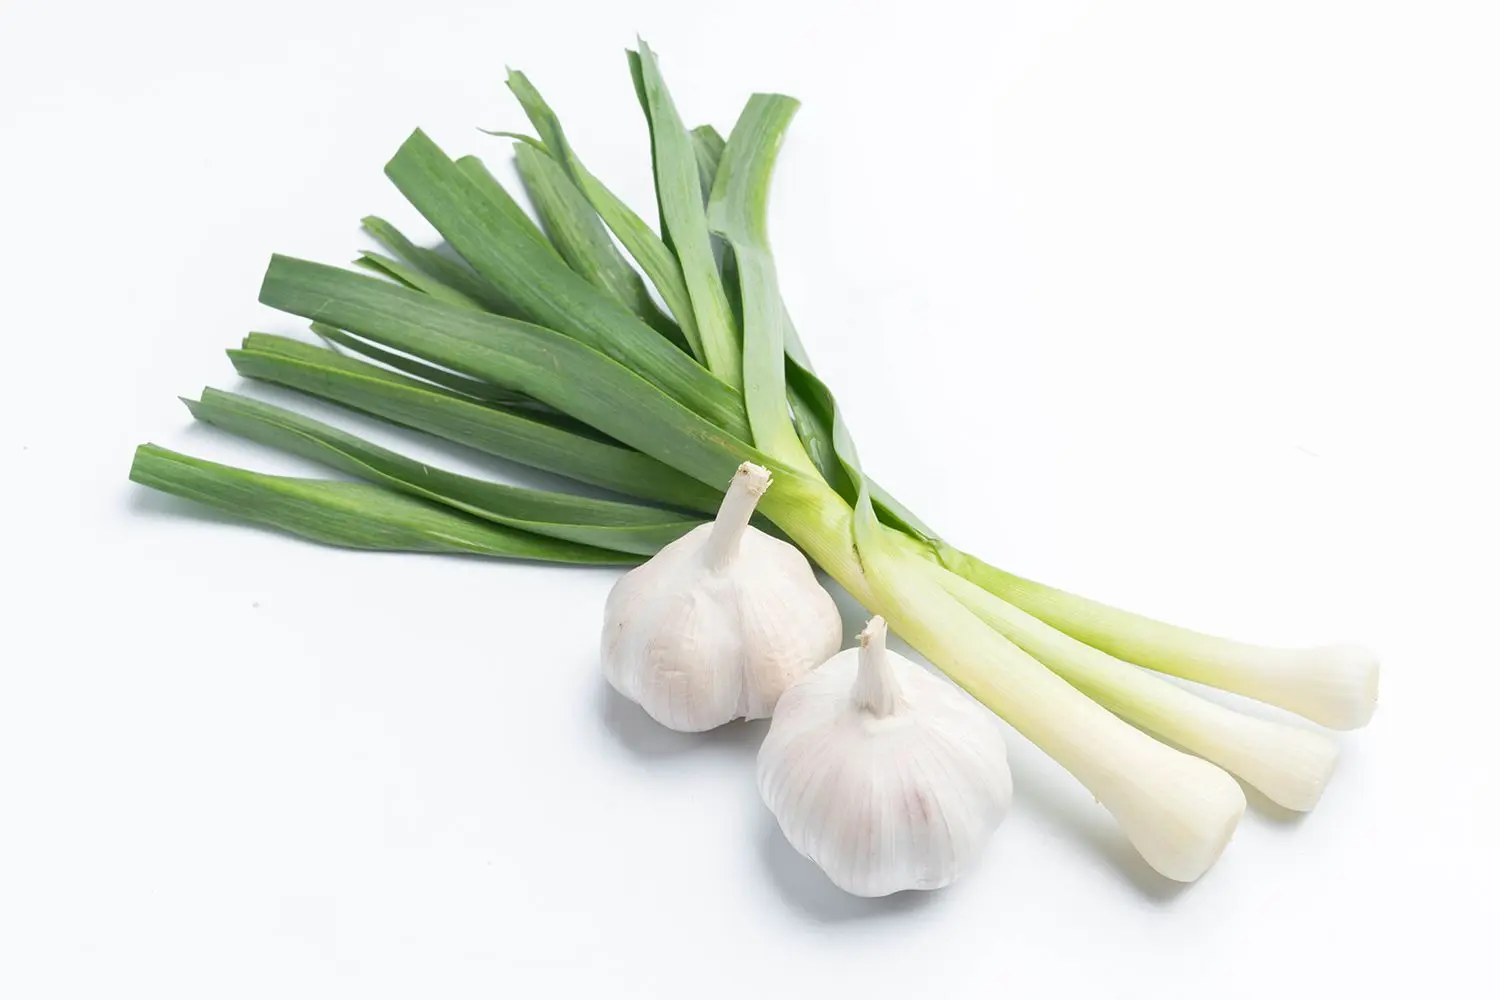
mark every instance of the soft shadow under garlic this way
{"type": "Point", "coordinates": [629, 725]}
{"type": "Point", "coordinates": [1273, 814]}
{"type": "Point", "coordinates": [1070, 814]}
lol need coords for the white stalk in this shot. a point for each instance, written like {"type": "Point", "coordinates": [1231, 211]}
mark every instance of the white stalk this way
{"type": "Point", "coordinates": [1335, 686]}
{"type": "Point", "coordinates": [1179, 811]}
{"type": "Point", "coordinates": [1290, 765]}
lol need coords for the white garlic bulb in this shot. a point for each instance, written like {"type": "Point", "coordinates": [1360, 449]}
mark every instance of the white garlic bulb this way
{"type": "Point", "coordinates": [718, 623]}
{"type": "Point", "coordinates": [885, 776]}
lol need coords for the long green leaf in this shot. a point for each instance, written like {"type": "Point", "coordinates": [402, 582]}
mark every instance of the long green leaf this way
{"type": "Point", "coordinates": [323, 356]}
{"type": "Point", "coordinates": [504, 433]}
{"type": "Point", "coordinates": [474, 169]}
{"type": "Point", "coordinates": [650, 252]}
{"type": "Point", "coordinates": [812, 421]}
{"type": "Point", "coordinates": [708, 149]}
{"type": "Point", "coordinates": [577, 231]}
{"type": "Point", "coordinates": [350, 515]}
{"type": "Point", "coordinates": [638, 79]}
{"type": "Point", "coordinates": [472, 388]}
{"type": "Point", "coordinates": [813, 410]}
{"type": "Point", "coordinates": [562, 372]}
{"type": "Point", "coordinates": [440, 268]}
{"type": "Point", "coordinates": [413, 279]}
{"type": "Point", "coordinates": [453, 337]}
{"type": "Point", "coordinates": [737, 212]}
{"type": "Point", "coordinates": [546, 289]}
{"type": "Point", "coordinates": [420, 281]}
{"type": "Point", "coordinates": [679, 193]}
{"type": "Point", "coordinates": [270, 343]}
{"type": "Point", "coordinates": [623, 527]}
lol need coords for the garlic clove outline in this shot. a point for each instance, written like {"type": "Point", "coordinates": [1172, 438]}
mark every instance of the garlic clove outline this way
{"type": "Point", "coordinates": [884, 775]}
{"type": "Point", "coordinates": [719, 622]}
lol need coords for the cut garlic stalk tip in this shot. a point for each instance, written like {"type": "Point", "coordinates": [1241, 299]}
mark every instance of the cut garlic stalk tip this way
{"type": "Point", "coordinates": [719, 622]}
{"type": "Point", "coordinates": [750, 484]}
{"type": "Point", "coordinates": [885, 776]}
{"type": "Point", "coordinates": [1335, 685]}
{"type": "Point", "coordinates": [875, 686]}
{"type": "Point", "coordinates": [1182, 817]}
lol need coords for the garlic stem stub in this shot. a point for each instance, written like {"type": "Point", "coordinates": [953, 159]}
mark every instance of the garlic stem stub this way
{"type": "Point", "coordinates": [884, 775]}
{"type": "Point", "coordinates": [719, 622]}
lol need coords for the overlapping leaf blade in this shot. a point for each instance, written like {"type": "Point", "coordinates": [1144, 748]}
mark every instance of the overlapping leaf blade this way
{"type": "Point", "coordinates": [679, 194]}
{"type": "Point", "coordinates": [472, 388]}
{"type": "Point", "coordinates": [558, 370]}
{"type": "Point", "coordinates": [414, 279]}
{"type": "Point", "coordinates": [708, 149]}
{"type": "Point", "coordinates": [350, 515]}
{"type": "Point", "coordinates": [737, 212]}
{"type": "Point", "coordinates": [548, 292]}
{"type": "Point", "coordinates": [493, 430]}
{"type": "Point", "coordinates": [473, 168]}
{"type": "Point", "coordinates": [741, 191]}
{"type": "Point", "coordinates": [577, 231]}
{"type": "Point", "coordinates": [459, 365]}
{"type": "Point", "coordinates": [507, 352]}
{"type": "Point", "coordinates": [440, 268]}
{"type": "Point", "coordinates": [623, 527]}
{"type": "Point", "coordinates": [645, 246]}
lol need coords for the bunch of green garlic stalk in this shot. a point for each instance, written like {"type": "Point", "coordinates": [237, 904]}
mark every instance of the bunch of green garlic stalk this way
{"type": "Point", "coordinates": [651, 362]}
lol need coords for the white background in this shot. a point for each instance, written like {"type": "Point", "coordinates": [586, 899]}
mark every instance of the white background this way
{"type": "Point", "coordinates": [1190, 307]}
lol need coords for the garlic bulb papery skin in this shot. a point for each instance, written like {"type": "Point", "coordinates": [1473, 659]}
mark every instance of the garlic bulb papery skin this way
{"type": "Point", "coordinates": [885, 776]}
{"type": "Point", "coordinates": [718, 623]}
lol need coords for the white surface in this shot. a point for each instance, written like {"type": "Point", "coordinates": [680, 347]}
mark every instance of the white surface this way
{"type": "Point", "coordinates": [1186, 306]}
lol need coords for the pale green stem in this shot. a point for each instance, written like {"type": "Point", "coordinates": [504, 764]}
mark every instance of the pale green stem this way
{"type": "Point", "coordinates": [1290, 765]}
{"type": "Point", "coordinates": [1178, 811]}
{"type": "Point", "coordinates": [1335, 686]}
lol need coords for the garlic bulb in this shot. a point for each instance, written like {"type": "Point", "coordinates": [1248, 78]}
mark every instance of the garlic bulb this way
{"type": "Point", "coordinates": [718, 623]}
{"type": "Point", "coordinates": [885, 776]}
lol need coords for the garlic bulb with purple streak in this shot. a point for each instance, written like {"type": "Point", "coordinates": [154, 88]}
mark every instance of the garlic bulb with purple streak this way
{"type": "Point", "coordinates": [884, 775]}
